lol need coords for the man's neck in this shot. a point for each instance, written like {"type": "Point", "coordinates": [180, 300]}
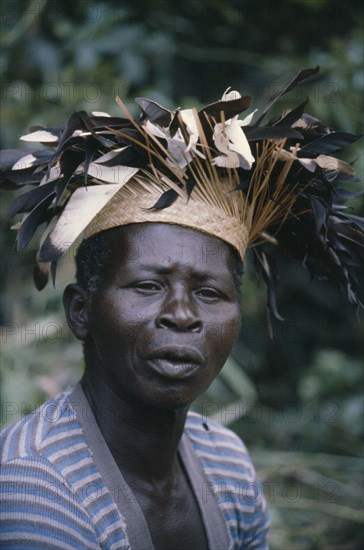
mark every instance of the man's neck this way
{"type": "Point", "coordinates": [142, 439]}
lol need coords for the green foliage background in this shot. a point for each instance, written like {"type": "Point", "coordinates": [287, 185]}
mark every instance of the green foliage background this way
{"type": "Point", "coordinates": [296, 400]}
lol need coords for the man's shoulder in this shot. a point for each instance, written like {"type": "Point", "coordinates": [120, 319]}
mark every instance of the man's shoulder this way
{"type": "Point", "coordinates": [231, 480]}
{"type": "Point", "coordinates": [213, 442]}
{"type": "Point", "coordinates": [52, 492]}
{"type": "Point", "coordinates": [202, 425]}
{"type": "Point", "coordinates": [33, 434]}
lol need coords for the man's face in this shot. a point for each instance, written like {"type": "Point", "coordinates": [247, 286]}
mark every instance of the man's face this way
{"type": "Point", "coordinates": [166, 314]}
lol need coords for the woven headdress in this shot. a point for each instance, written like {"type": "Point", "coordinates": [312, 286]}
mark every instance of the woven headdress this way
{"type": "Point", "coordinates": [250, 184]}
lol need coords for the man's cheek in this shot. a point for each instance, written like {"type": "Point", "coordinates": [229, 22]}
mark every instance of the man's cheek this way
{"type": "Point", "coordinates": [221, 334]}
{"type": "Point", "coordinates": [233, 329]}
{"type": "Point", "coordinates": [131, 330]}
{"type": "Point", "coordinates": [214, 336]}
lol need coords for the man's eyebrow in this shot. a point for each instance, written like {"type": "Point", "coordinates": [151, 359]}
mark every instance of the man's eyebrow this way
{"type": "Point", "coordinates": [197, 274]}
{"type": "Point", "coordinates": [155, 268]}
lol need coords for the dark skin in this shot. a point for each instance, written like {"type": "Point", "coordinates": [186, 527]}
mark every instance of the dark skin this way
{"type": "Point", "coordinates": [157, 332]}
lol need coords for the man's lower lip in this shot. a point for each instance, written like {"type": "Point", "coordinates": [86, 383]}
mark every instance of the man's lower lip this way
{"type": "Point", "coordinates": [174, 369]}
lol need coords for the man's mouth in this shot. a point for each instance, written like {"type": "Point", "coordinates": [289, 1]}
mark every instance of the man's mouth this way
{"type": "Point", "coordinates": [176, 362]}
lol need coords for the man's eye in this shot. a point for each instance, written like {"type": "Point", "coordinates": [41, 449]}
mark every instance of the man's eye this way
{"type": "Point", "coordinates": [208, 293]}
{"type": "Point", "coordinates": [147, 286]}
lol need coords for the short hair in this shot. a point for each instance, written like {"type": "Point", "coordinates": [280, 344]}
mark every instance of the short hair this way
{"type": "Point", "coordinates": [94, 255]}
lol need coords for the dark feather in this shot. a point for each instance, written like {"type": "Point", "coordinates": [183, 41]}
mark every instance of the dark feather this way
{"type": "Point", "coordinates": [340, 177]}
{"type": "Point", "coordinates": [190, 184]}
{"type": "Point", "coordinates": [89, 124]}
{"type": "Point", "coordinates": [302, 75]}
{"type": "Point", "coordinates": [329, 143]}
{"type": "Point", "coordinates": [41, 275]}
{"type": "Point", "coordinates": [16, 179]}
{"type": "Point", "coordinates": [290, 118]}
{"type": "Point", "coordinates": [265, 265]}
{"type": "Point", "coordinates": [9, 157]}
{"type": "Point", "coordinates": [271, 132]}
{"type": "Point", "coordinates": [104, 122]}
{"type": "Point", "coordinates": [29, 226]}
{"type": "Point", "coordinates": [357, 221]}
{"type": "Point", "coordinates": [174, 125]}
{"type": "Point", "coordinates": [130, 156]}
{"type": "Point", "coordinates": [320, 213]}
{"type": "Point", "coordinates": [91, 147]}
{"type": "Point", "coordinates": [60, 188]}
{"type": "Point", "coordinates": [165, 200]}
{"type": "Point", "coordinates": [27, 201]}
{"type": "Point", "coordinates": [229, 108]}
{"type": "Point", "coordinates": [137, 139]}
{"type": "Point", "coordinates": [69, 162]}
{"type": "Point", "coordinates": [153, 111]}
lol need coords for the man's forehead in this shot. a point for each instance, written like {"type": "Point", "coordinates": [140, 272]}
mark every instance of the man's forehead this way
{"type": "Point", "coordinates": [161, 243]}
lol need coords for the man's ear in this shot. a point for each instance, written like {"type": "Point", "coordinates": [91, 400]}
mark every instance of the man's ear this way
{"type": "Point", "coordinates": [76, 307]}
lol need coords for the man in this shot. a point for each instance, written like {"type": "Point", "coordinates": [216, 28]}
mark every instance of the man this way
{"type": "Point", "coordinates": [114, 462]}
{"type": "Point", "coordinates": [119, 462]}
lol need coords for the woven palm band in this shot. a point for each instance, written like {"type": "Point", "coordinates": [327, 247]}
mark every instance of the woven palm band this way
{"type": "Point", "coordinates": [132, 202]}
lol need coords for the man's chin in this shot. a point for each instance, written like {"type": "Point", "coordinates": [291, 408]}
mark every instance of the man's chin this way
{"type": "Point", "coordinates": [170, 401]}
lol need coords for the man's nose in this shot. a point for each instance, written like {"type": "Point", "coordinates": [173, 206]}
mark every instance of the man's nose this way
{"type": "Point", "coordinates": [179, 313]}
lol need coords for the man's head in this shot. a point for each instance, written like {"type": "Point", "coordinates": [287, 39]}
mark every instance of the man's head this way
{"type": "Point", "coordinates": [161, 315]}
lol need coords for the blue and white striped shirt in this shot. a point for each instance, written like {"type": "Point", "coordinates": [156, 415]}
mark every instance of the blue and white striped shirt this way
{"type": "Point", "coordinates": [56, 494]}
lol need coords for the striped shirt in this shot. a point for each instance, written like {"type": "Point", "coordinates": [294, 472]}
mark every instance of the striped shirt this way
{"type": "Point", "coordinates": [56, 491]}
